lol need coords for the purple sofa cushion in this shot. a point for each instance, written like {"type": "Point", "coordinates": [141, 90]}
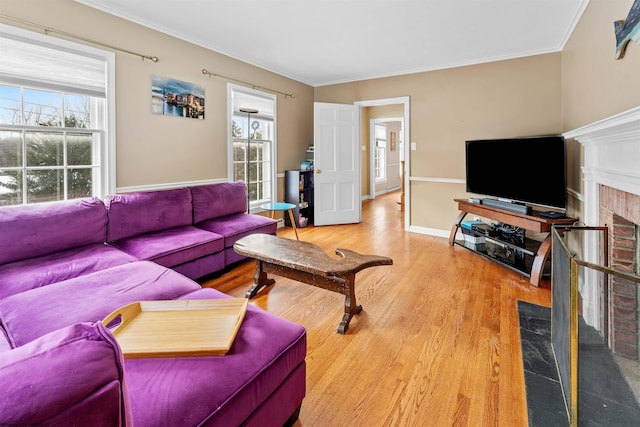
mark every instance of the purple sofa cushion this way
{"type": "Point", "coordinates": [90, 298]}
{"type": "Point", "coordinates": [236, 226]}
{"type": "Point", "coordinates": [138, 213]}
{"type": "Point", "coordinates": [201, 267]}
{"type": "Point", "coordinates": [218, 390]}
{"type": "Point", "coordinates": [216, 200]}
{"type": "Point", "coordinates": [72, 375]}
{"type": "Point", "coordinates": [172, 247]}
{"type": "Point", "coordinates": [33, 273]}
{"type": "Point", "coordinates": [39, 229]}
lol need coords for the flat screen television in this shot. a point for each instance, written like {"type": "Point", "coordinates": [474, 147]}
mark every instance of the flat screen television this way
{"type": "Point", "coordinates": [530, 170]}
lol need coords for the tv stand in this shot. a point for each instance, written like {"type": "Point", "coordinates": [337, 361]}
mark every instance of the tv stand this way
{"type": "Point", "coordinates": [531, 256]}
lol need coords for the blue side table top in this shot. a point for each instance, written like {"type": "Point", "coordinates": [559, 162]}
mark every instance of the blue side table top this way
{"type": "Point", "coordinates": [278, 206]}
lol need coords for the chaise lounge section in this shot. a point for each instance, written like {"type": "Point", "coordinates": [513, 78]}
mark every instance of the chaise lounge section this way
{"type": "Point", "coordinates": [260, 381]}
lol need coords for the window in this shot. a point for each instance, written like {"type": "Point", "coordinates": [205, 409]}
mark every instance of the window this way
{"type": "Point", "coordinates": [380, 153]}
{"type": "Point", "coordinates": [253, 142]}
{"type": "Point", "coordinates": [54, 139]}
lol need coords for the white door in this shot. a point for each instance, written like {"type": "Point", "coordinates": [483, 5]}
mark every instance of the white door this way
{"type": "Point", "coordinates": [337, 179]}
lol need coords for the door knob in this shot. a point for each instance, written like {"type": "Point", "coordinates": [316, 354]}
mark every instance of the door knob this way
{"type": "Point", "coordinates": [318, 171]}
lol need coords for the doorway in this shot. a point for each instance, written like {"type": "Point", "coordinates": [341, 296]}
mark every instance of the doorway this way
{"type": "Point", "coordinates": [385, 159]}
{"type": "Point", "coordinates": [396, 109]}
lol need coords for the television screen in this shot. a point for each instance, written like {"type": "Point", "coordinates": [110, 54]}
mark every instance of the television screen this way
{"type": "Point", "coordinates": [531, 170]}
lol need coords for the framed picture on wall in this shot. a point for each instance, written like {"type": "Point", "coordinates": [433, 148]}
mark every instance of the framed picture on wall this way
{"type": "Point", "coordinates": [627, 30]}
{"type": "Point", "coordinates": [171, 97]}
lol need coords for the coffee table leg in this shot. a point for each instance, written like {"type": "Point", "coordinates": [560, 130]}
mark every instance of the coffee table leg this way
{"type": "Point", "coordinates": [260, 280]}
{"type": "Point", "coordinates": [350, 306]}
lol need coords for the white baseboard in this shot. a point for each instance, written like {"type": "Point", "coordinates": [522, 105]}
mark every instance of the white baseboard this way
{"type": "Point", "coordinates": [430, 231]}
{"type": "Point", "coordinates": [387, 190]}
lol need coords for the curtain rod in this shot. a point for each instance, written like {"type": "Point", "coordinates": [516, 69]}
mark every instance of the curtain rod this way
{"type": "Point", "coordinates": [286, 95]}
{"type": "Point", "coordinates": [48, 30]}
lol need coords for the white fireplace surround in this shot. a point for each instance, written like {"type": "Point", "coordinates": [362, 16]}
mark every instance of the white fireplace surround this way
{"type": "Point", "coordinates": [611, 158]}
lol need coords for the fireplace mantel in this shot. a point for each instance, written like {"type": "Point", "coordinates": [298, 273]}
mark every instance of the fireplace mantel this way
{"type": "Point", "coordinates": [611, 158]}
{"type": "Point", "coordinates": [612, 150]}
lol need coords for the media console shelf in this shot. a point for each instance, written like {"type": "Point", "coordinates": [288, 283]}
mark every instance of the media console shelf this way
{"type": "Point", "coordinates": [534, 253]}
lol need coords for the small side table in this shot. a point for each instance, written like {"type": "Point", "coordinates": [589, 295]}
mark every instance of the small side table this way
{"type": "Point", "coordinates": [282, 206]}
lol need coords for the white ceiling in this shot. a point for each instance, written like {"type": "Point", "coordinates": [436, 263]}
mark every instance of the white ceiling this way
{"type": "Point", "coordinates": [321, 42]}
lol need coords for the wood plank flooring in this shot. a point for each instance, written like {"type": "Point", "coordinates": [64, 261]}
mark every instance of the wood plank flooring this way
{"type": "Point", "coordinates": [438, 341]}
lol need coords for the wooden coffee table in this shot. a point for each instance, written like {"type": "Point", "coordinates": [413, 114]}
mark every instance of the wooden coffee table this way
{"type": "Point", "coordinates": [307, 263]}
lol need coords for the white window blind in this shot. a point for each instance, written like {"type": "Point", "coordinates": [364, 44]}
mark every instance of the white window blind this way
{"type": "Point", "coordinates": [42, 65]}
{"type": "Point", "coordinates": [265, 106]}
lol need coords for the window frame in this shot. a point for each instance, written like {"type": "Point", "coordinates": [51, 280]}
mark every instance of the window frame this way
{"type": "Point", "coordinates": [254, 206]}
{"type": "Point", "coordinates": [380, 153]}
{"type": "Point", "coordinates": [103, 113]}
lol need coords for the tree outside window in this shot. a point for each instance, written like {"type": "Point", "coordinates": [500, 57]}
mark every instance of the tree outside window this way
{"type": "Point", "coordinates": [47, 146]}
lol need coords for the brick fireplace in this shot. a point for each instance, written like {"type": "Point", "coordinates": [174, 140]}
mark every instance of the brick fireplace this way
{"type": "Point", "coordinates": [612, 197]}
{"type": "Point", "coordinates": [620, 212]}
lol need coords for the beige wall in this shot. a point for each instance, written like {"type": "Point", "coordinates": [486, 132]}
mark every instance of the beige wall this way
{"type": "Point", "coordinates": [594, 84]}
{"type": "Point", "coordinates": [154, 149]}
{"type": "Point", "coordinates": [550, 93]}
{"type": "Point", "coordinates": [500, 99]}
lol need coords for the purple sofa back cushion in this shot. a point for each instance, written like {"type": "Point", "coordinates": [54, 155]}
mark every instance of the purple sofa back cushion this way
{"type": "Point", "coordinates": [216, 200]}
{"type": "Point", "coordinates": [143, 212]}
{"type": "Point", "coordinates": [72, 376]}
{"type": "Point", "coordinates": [29, 231]}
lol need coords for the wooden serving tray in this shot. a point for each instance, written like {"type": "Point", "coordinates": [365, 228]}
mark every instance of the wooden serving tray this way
{"type": "Point", "coordinates": [177, 328]}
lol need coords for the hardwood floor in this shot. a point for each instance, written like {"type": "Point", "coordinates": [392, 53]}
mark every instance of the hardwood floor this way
{"type": "Point", "coordinates": [438, 341]}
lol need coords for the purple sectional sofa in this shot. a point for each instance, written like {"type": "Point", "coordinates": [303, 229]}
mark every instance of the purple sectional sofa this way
{"type": "Point", "coordinates": [65, 265]}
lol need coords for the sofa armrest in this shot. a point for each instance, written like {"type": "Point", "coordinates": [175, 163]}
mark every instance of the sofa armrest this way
{"type": "Point", "coordinates": [72, 376]}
